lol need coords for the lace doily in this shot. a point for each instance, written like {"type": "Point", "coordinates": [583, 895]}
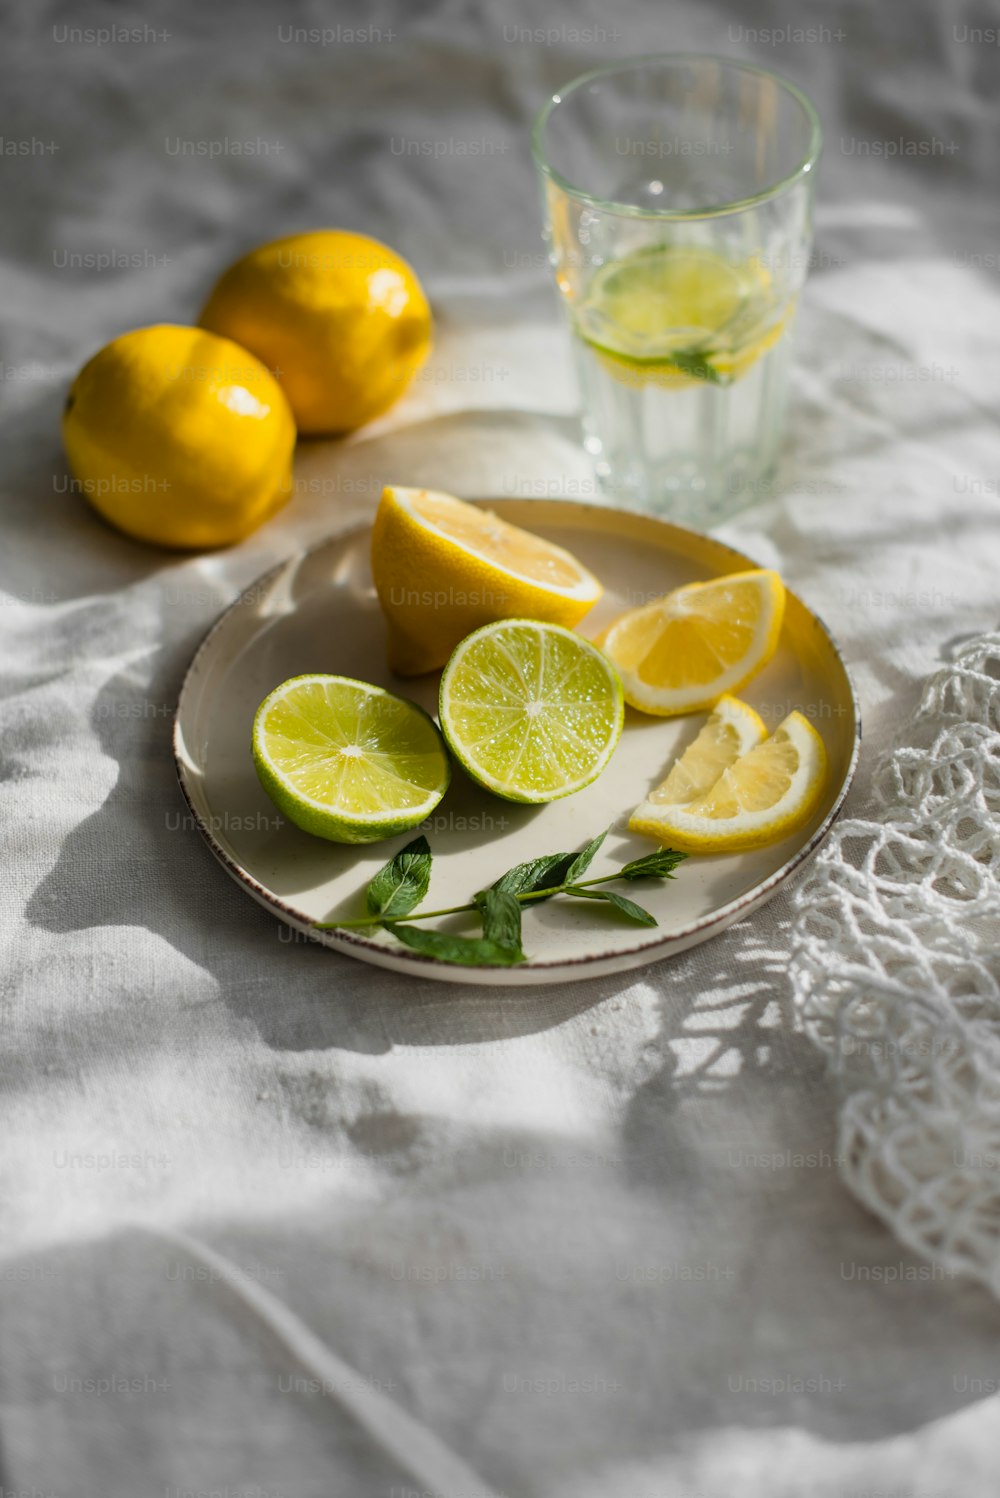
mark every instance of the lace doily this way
{"type": "Point", "coordinates": [896, 974]}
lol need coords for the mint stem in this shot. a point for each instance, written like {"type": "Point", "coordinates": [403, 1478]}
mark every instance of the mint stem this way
{"type": "Point", "coordinates": [426, 915]}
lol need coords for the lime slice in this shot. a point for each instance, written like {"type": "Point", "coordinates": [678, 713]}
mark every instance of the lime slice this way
{"type": "Point", "coordinates": [346, 760]}
{"type": "Point", "coordinates": [678, 314]}
{"type": "Point", "coordinates": [531, 711]}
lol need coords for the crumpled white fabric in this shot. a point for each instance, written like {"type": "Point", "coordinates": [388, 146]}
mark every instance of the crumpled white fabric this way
{"type": "Point", "coordinates": [594, 1240]}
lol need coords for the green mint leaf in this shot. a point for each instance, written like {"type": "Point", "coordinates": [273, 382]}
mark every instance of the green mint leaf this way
{"type": "Point", "coordinates": [466, 951]}
{"type": "Point", "coordinates": [547, 872]}
{"type": "Point", "coordinates": [694, 363]}
{"type": "Point", "coordinates": [537, 873]}
{"type": "Point", "coordinates": [501, 916]}
{"type": "Point", "coordinates": [584, 858]}
{"type": "Point", "coordinates": [626, 907]}
{"type": "Point", "coordinates": [658, 865]}
{"type": "Point", "coordinates": [401, 885]}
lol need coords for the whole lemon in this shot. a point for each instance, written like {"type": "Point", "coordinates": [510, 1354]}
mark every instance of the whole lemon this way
{"type": "Point", "coordinates": [179, 437]}
{"type": "Point", "coordinates": [341, 319]}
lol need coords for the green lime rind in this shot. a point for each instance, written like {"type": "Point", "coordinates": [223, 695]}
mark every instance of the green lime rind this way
{"type": "Point", "coordinates": [307, 730]}
{"type": "Point", "coordinates": [532, 712]}
{"type": "Point", "coordinates": [691, 364]}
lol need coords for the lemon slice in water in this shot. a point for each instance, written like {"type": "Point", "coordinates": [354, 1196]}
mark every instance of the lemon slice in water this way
{"type": "Point", "coordinates": [679, 315]}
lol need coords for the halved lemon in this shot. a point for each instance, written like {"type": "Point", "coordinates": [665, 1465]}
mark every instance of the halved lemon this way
{"type": "Point", "coordinates": [681, 653]}
{"type": "Point", "coordinates": [443, 568]}
{"type": "Point", "coordinates": [346, 760]}
{"type": "Point", "coordinates": [762, 797]}
{"type": "Point", "coordinates": [732, 730]}
{"type": "Point", "coordinates": [531, 711]}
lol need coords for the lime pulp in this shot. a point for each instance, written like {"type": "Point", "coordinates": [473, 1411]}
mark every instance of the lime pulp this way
{"type": "Point", "coordinates": [532, 711]}
{"type": "Point", "coordinates": [346, 760]}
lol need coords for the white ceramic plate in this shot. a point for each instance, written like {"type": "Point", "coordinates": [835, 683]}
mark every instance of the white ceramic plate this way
{"type": "Point", "coordinates": [318, 612]}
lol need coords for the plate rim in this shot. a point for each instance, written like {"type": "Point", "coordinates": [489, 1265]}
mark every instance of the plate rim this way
{"type": "Point", "coordinates": [600, 964]}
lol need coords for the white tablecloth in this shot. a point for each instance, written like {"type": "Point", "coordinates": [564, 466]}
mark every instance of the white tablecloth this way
{"type": "Point", "coordinates": [591, 1238]}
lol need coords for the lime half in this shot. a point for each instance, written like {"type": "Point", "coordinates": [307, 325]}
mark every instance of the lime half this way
{"type": "Point", "coordinates": [530, 710]}
{"type": "Point", "coordinates": [346, 760]}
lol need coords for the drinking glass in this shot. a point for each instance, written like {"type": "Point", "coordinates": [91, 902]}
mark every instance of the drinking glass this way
{"type": "Point", "coordinates": [677, 193]}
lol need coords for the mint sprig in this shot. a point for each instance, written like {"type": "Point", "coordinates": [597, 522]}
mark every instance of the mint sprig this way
{"type": "Point", "coordinates": [693, 362]}
{"type": "Point", "coordinates": [658, 865]}
{"type": "Point", "coordinates": [626, 907]}
{"type": "Point", "coordinates": [402, 883]}
{"type": "Point", "coordinates": [500, 913]}
{"type": "Point", "coordinates": [467, 951]}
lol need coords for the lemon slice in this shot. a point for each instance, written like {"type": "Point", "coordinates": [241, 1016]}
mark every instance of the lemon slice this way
{"type": "Point", "coordinates": [677, 315]}
{"type": "Point", "coordinates": [681, 653]}
{"type": "Point", "coordinates": [443, 568]}
{"type": "Point", "coordinates": [348, 761]}
{"type": "Point", "coordinates": [762, 797]}
{"type": "Point", "coordinates": [531, 711]}
{"type": "Point", "coordinates": [732, 730]}
{"type": "Point", "coordinates": [665, 292]}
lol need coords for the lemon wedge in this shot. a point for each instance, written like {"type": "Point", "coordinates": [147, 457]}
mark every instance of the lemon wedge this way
{"type": "Point", "coordinates": [732, 730]}
{"type": "Point", "coordinates": [683, 652]}
{"type": "Point", "coordinates": [763, 796]}
{"type": "Point", "coordinates": [443, 568]}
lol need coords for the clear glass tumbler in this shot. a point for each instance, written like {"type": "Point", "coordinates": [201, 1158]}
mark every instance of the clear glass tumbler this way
{"type": "Point", "coordinates": [678, 206]}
